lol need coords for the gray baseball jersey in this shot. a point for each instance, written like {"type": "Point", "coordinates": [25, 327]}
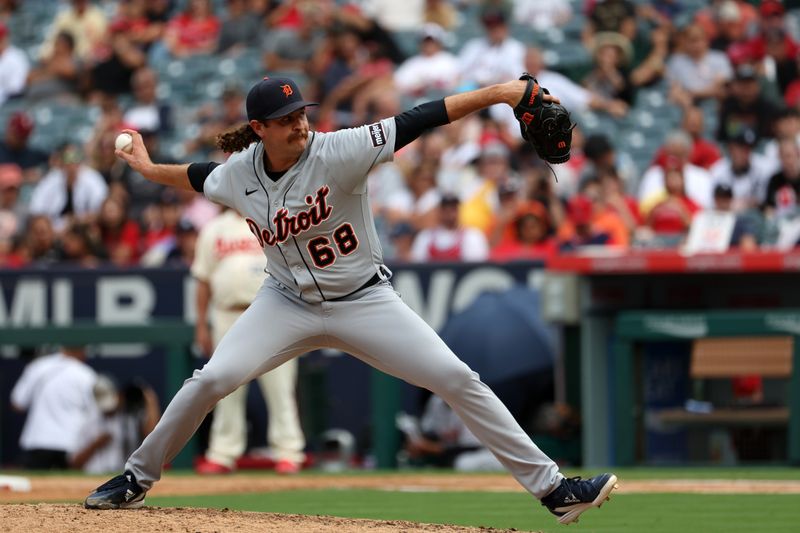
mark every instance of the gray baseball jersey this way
{"type": "Point", "coordinates": [315, 223]}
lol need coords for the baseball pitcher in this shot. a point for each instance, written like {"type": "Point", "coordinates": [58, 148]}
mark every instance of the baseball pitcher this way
{"type": "Point", "coordinates": [304, 196]}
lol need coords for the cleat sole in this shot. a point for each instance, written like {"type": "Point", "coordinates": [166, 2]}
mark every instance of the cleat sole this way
{"type": "Point", "coordinates": [605, 495]}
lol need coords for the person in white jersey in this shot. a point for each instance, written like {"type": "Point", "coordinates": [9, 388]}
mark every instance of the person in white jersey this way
{"type": "Point", "coordinates": [56, 391]}
{"type": "Point", "coordinates": [304, 196]}
{"type": "Point", "coordinates": [229, 268]}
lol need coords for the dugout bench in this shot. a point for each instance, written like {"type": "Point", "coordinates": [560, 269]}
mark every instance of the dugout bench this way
{"type": "Point", "coordinates": [725, 345]}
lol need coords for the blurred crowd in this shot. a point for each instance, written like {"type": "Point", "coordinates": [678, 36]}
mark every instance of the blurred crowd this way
{"type": "Point", "coordinates": [470, 191]}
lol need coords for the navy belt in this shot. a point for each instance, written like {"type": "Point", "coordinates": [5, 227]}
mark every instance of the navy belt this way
{"type": "Point", "coordinates": [374, 280]}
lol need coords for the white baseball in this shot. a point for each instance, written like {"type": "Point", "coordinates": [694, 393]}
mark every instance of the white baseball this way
{"type": "Point", "coordinates": [124, 142]}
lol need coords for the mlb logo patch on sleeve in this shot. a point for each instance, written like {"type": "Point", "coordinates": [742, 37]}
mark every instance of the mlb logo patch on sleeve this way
{"type": "Point", "coordinates": [377, 135]}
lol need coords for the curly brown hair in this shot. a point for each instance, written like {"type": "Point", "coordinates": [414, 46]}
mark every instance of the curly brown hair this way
{"type": "Point", "coordinates": [237, 139]}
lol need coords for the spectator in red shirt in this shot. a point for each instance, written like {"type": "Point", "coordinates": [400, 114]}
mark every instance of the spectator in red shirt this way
{"type": "Point", "coordinates": [673, 214]}
{"type": "Point", "coordinates": [194, 31]}
{"type": "Point", "coordinates": [120, 235]}
{"type": "Point", "coordinates": [530, 238]}
{"type": "Point", "coordinates": [704, 153]}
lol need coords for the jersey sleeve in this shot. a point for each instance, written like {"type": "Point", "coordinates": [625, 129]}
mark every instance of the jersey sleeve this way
{"type": "Point", "coordinates": [350, 154]}
{"type": "Point", "coordinates": [218, 186]}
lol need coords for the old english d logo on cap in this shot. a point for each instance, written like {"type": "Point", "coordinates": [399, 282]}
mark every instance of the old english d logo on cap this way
{"type": "Point", "coordinates": [274, 98]}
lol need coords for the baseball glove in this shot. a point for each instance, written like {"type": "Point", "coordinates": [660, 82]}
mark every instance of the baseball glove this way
{"type": "Point", "coordinates": [545, 125]}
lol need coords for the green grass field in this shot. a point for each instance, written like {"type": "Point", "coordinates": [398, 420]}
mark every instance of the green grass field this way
{"type": "Point", "coordinates": [650, 513]}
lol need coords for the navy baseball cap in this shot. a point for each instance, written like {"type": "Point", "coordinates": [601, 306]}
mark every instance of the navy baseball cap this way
{"type": "Point", "coordinates": [274, 98]}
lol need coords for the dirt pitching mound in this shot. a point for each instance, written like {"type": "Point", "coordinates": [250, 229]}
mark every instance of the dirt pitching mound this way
{"type": "Point", "coordinates": [72, 518]}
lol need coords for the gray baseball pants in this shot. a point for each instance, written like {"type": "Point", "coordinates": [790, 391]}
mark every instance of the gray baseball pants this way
{"type": "Point", "coordinates": [375, 326]}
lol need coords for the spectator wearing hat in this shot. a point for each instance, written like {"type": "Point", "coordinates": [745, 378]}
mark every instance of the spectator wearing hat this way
{"type": "Point", "coordinates": [607, 212]}
{"type": "Point", "coordinates": [744, 171]}
{"type": "Point", "coordinates": [182, 253]}
{"type": "Point", "coordinates": [676, 149]}
{"type": "Point", "coordinates": [58, 75]}
{"type": "Point", "coordinates": [528, 236]}
{"type": "Point", "coordinates": [432, 70]}
{"type": "Point", "coordinates": [696, 72]}
{"type": "Point", "coordinates": [745, 227]}
{"type": "Point", "coordinates": [493, 57]}
{"type": "Point", "coordinates": [581, 227]}
{"type": "Point", "coordinates": [71, 190]}
{"type": "Point", "coordinates": [14, 67]}
{"type": "Point", "coordinates": [449, 241]}
{"type": "Point", "coordinates": [86, 23]}
{"type": "Point", "coordinates": [401, 236]}
{"type": "Point", "coordinates": [611, 53]}
{"type": "Point", "coordinates": [783, 190]}
{"type": "Point", "coordinates": [14, 146]}
{"type": "Point", "coordinates": [746, 105]}
{"type": "Point", "coordinates": [728, 25]}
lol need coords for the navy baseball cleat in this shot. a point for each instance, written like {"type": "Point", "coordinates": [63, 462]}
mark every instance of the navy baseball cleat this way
{"type": "Point", "coordinates": [575, 495]}
{"type": "Point", "coordinates": [120, 492]}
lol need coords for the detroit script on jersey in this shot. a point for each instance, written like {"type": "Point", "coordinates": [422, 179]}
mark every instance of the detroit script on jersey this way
{"type": "Point", "coordinates": [292, 225]}
{"type": "Point", "coordinates": [314, 223]}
